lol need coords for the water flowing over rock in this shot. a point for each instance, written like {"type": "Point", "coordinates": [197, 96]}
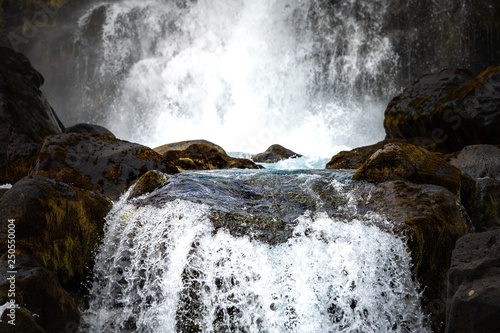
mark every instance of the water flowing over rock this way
{"type": "Point", "coordinates": [273, 250]}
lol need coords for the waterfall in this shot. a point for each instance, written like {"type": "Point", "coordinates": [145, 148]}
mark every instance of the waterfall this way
{"type": "Point", "coordinates": [314, 76]}
{"type": "Point", "coordinates": [166, 265]}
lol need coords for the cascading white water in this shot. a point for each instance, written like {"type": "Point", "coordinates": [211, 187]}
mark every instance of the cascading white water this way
{"type": "Point", "coordinates": [163, 267]}
{"type": "Point", "coordinates": [313, 76]}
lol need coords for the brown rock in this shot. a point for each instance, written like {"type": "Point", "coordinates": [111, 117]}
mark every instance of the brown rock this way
{"type": "Point", "coordinates": [401, 161]}
{"type": "Point", "coordinates": [205, 157]}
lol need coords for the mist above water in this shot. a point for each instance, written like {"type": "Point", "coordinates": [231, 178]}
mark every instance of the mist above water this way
{"type": "Point", "coordinates": [312, 76]}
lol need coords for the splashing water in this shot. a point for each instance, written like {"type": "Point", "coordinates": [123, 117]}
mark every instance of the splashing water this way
{"type": "Point", "coordinates": [165, 267]}
{"type": "Point", "coordinates": [312, 76]}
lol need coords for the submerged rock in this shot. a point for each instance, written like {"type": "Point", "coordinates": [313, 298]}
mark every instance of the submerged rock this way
{"type": "Point", "coordinates": [474, 284]}
{"type": "Point", "coordinates": [26, 117]}
{"type": "Point", "coordinates": [90, 129]}
{"type": "Point", "coordinates": [44, 305]}
{"type": "Point", "coordinates": [58, 224]}
{"type": "Point", "coordinates": [205, 157]}
{"type": "Point", "coordinates": [95, 162]}
{"type": "Point", "coordinates": [432, 220]}
{"type": "Point", "coordinates": [274, 154]}
{"type": "Point", "coordinates": [452, 109]}
{"type": "Point", "coordinates": [401, 161]}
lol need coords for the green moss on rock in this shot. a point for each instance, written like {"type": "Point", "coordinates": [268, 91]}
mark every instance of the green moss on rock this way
{"type": "Point", "coordinates": [401, 161]}
{"type": "Point", "coordinates": [57, 224]}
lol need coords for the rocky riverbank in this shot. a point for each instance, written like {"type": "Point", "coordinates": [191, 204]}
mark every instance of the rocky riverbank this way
{"type": "Point", "coordinates": [435, 178]}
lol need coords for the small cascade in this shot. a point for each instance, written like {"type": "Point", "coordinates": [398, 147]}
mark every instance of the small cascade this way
{"type": "Point", "coordinates": [222, 252]}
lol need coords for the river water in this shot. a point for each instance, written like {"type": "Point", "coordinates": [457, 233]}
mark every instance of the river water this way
{"type": "Point", "coordinates": [252, 251]}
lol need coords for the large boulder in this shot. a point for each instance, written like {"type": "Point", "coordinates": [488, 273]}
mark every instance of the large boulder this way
{"type": "Point", "coordinates": [89, 128]}
{"type": "Point", "coordinates": [205, 157]}
{"type": "Point", "coordinates": [96, 162]}
{"type": "Point", "coordinates": [26, 117]}
{"type": "Point", "coordinates": [44, 306]}
{"type": "Point", "coordinates": [431, 219]}
{"type": "Point", "coordinates": [183, 145]}
{"type": "Point", "coordinates": [474, 284]}
{"type": "Point", "coordinates": [452, 109]}
{"type": "Point", "coordinates": [401, 161]}
{"type": "Point", "coordinates": [274, 154]}
{"type": "Point", "coordinates": [57, 224]}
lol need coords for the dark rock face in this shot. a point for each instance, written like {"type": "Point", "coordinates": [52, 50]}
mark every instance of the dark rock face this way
{"type": "Point", "coordinates": [26, 117]}
{"type": "Point", "coordinates": [57, 224]}
{"type": "Point", "coordinates": [183, 145]}
{"type": "Point", "coordinates": [45, 305]}
{"type": "Point", "coordinates": [275, 153]}
{"type": "Point", "coordinates": [483, 204]}
{"type": "Point", "coordinates": [479, 161]}
{"type": "Point", "coordinates": [205, 157]}
{"type": "Point", "coordinates": [89, 128]}
{"type": "Point", "coordinates": [451, 109]}
{"type": "Point", "coordinates": [432, 220]}
{"type": "Point", "coordinates": [474, 284]}
{"type": "Point", "coordinates": [99, 163]}
{"type": "Point", "coordinates": [401, 161]}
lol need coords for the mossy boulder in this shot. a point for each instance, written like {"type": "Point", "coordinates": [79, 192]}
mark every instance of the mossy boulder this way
{"type": "Point", "coordinates": [26, 117]}
{"type": "Point", "coordinates": [453, 109]}
{"type": "Point", "coordinates": [354, 159]}
{"type": "Point", "coordinates": [402, 161]}
{"type": "Point", "coordinates": [183, 145]}
{"type": "Point", "coordinates": [96, 162]}
{"type": "Point", "coordinates": [57, 224]}
{"type": "Point", "coordinates": [206, 157]}
{"type": "Point", "coordinates": [44, 305]}
{"type": "Point", "coordinates": [274, 154]}
{"type": "Point", "coordinates": [432, 220]}
{"type": "Point", "coordinates": [148, 182]}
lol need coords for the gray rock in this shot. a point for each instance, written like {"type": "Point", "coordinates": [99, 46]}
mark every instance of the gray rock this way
{"type": "Point", "coordinates": [479, 161]}
{"type": "Point", "coordinates": [474, 284]}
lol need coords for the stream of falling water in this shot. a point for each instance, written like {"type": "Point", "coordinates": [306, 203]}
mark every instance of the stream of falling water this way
{"type": "Point", "coordinates": [164, 267]}
{"type": "Point", "coordinates": [312, 76]}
